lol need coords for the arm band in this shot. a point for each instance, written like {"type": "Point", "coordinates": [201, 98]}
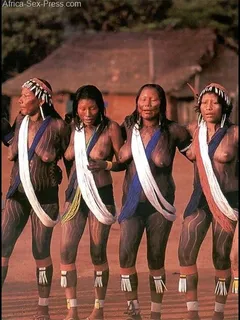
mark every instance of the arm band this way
{"type": "Point", "coordinates": [109, 165]}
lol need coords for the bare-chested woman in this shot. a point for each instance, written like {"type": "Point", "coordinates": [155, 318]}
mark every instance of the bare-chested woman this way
{"type": "Point", "coordinates": [94, 141]}
{"type": "Point", "coordinates": [40, 139]}
{"type": "Point", "coordinates": [148, 194]}
{"type": "Point", "coordinates": [214, 152]}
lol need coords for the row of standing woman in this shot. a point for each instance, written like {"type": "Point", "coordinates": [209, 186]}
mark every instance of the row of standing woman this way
{"type": "Point", "coordinates": [144, 146]}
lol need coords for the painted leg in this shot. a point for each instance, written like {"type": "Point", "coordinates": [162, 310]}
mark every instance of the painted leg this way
{"type": "Point", "coordinates": [234, 262]}
{"type": "Point", "coordinates": [188, 283]}
{"type": "Point", "coordinates": [129, 285]}
{"type": "Point", "coordinates": [69, 282]}
{"type": "Point", "coordinates": [4, 269]}
{"type": "Point", "coordinates": [101, 276]}
{"type": "Point", "coordinates": [44, 274]}
{"type": "Point", "coordinates": [223, 281]}
{"type": "Point", "coordinates": [157, 279]}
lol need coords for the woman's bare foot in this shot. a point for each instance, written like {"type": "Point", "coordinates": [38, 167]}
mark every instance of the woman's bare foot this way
{"type": "Point", "coordinates": [97, 314]}
{"type": "Point", "coordinates": [218, 316]}
{"type": "Point", "coordinates": [72, 314]}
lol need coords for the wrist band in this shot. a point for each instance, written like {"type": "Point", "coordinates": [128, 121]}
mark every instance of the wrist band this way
{"type": "Point", "coordinates": [109, 165]}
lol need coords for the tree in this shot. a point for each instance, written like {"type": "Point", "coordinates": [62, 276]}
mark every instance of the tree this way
{"type": "Point", "coordinates": [220, 15]}
{"type": "Point", "coordinates": [29, 35]}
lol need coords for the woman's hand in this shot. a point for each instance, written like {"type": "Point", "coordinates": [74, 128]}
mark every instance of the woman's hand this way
{"type": "Point", "coordinates": [97, 165]}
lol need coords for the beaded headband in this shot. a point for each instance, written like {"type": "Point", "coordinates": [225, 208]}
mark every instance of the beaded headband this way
{"type": "Point", "coordinates": [218, 90]}
{"type": "Point", "coordinates": [40, 90]}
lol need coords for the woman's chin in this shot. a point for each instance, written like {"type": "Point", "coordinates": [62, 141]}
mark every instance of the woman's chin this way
{"type": "Point", "coordinates": [88, 123]}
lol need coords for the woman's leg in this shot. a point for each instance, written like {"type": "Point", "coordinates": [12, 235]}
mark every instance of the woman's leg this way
{"type": "Point", "coordinates": [99, 234]}
{"type": "Point", "coordinates": [234, 261]}
{"type": "Point", "coordinates": [71, 234]}
{"type": "Point", "coordinates": [14, 219]}
{"type": "Point", "coordinates": [41, 241]}
{"type": "Point", "coordinates": [193, 232]}
{"type": "Point", "coordinates": [158, 230]}
{"type": "Point", "coordinates": [131, 231]}
{"type": "Point", "coordinates": [222, 244]}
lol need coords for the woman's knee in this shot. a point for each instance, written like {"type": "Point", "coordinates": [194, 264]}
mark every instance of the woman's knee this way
{"type": "Point", "coordinates": [8, 243]}
{"type": "Point", "coordinates": [40, 252]}
{"type": "Point", "coordinates": [221, 261]}
{"type": "Point", "coordinates": [185, 257]}
{"type": "Point", "coordinates": [156, 257]}
{"type": "Point", "coordinates": [68, 253]}
{"type": "Point", "coordinates": [127, 257]}
{"type": "Point", "coordinates": [98, 254]}
{"type": "Point", "coordinates": [7, 249]}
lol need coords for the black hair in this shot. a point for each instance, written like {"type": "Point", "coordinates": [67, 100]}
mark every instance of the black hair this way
{"type": "Point", "coordinates": [93, 93]}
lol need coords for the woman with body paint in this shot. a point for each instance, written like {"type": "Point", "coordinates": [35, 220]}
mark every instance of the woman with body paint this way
{"type": "Point", "coordinates": [39, 141]}
{"type": "Point", "coordinates": [214, 151]}
{"type": "Point", "coordinates": [148, 193]}
{"type": "Point", "coordinates": [95, 139]}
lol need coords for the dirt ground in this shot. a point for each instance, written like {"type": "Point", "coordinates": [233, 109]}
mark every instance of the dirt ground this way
{"type": "Point", "coordinates": [19, 295]}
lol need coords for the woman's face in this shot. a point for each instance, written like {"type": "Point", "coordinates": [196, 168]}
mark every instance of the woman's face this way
{"type": "Point", "coordinates": [87, 111]}
{"type": "Point", "coordinates": [149, 104]}
{"type": "Point", "coordinates": [210, 108]}
{"type": "Point", "coordinates": [29, 104]}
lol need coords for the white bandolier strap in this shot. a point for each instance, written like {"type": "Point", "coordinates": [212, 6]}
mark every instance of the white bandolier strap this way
{"type": "Point", "coordinates": [87, 183]}
{"type": "Point", "coordinates": [147, 180]}
{"type": "Point", "coordinates": [215, 190]}
{"type": "Point", "coordinates": [24, 173]}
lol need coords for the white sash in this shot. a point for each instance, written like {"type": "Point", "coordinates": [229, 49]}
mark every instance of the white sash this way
{"type": "Point", "coordinates": [24, 174]}
{"type": "Point", "coordinates": [215, 189]}
{"type": "Point", "coordinates": [146, 178]}
{"type": "Point", "coordinates": [86, 181]}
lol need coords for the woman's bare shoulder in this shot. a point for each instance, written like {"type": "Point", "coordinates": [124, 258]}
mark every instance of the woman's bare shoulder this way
{"type": "Point", "coordinates": [176, 128]}
{"type": "Point", "coordinates": [234, 131]}
{"type": "Point", "coordinates": [113, 125]}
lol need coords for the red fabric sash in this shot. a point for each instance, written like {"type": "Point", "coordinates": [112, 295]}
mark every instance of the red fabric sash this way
{"type": "Point", "coordinates": [219, 216]}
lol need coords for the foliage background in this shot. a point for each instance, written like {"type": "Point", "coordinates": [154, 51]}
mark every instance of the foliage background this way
{"type": "Point", "coordinates": [29, 34]}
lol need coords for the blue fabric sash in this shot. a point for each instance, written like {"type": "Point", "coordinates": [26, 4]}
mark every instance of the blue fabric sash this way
{"type": "Point", "coordinates": [135, 188]}
{"type": "Point", "coordinates": [7, 138]}
{"type": "Point", "coordinates": [197, 188]}
{"type": "Point", "coordinates": [69, 194]}
{"type": "Point", "coordinates": [31, 151]}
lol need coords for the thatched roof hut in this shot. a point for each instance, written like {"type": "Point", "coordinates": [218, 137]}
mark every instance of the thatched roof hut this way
{"type": "Point", "coordinates": [120, 63]}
